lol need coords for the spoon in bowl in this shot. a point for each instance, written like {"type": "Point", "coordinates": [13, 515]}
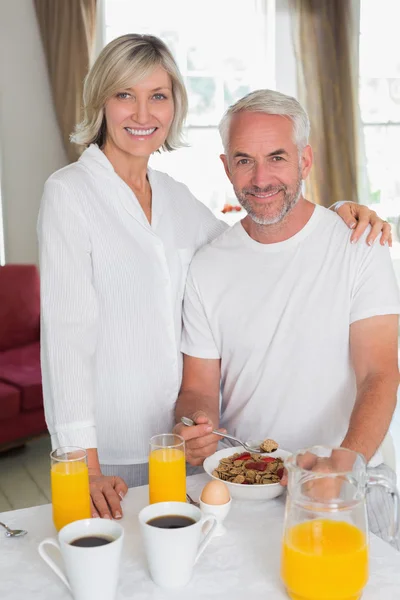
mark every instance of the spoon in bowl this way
{"type": "Point", "coordinates": [13, 532]}
{"type": "Point", "coordinates": [189, 423]}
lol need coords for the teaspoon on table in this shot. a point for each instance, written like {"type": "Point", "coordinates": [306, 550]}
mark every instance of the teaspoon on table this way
{"type": "Point", "coordinates": [189, 423]}
{"type": "Point", "coordinates": [13, 532]}
{"type": "Point", "coordinates": [191, 501]}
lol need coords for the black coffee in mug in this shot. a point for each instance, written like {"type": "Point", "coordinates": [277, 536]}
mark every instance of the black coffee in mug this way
{"type": "Point", "coordinates": [171, 522]}
{"type": "Point", "coordinates": [91, 541]}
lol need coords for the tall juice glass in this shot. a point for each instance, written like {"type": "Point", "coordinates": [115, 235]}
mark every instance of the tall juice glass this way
{"type": "Point", "coordinates": [69, 485]}
{"type": "Point", "coordinates": [167, 468]}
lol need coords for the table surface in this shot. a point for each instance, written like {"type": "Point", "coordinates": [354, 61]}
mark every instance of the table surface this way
{"type": "Point", "coordinates": [244, 563]}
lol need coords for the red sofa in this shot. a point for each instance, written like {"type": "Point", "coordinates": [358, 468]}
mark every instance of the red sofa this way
{"type": "Point", "coordinates": [21, 399]}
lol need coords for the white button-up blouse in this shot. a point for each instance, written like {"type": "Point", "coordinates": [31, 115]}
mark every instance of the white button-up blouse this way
{"type": "Point", "coordinates": [111, 297]}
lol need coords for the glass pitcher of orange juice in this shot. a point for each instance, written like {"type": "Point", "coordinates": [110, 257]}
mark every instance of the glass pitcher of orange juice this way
{"type": "Point", "coordinates": [70, 495]}
{"type": "Point", "coordinates": [167, 468]}
{"type": "Point", "coordinates": [325, 539]}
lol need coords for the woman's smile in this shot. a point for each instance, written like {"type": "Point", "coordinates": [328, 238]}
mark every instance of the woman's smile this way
{"type": "Point", "coordinates": [141, 134]}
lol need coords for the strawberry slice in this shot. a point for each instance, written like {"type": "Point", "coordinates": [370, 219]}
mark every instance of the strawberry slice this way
{"type": "Point", "coordinates": [255, 466]}
{"type": "Point", "coordinates": [243, 456]}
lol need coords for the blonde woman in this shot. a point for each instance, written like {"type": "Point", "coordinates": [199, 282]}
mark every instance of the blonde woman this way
{"type": "Point", "coordinates": [116, 239]}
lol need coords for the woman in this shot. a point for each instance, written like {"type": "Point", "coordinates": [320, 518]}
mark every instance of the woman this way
{"type": "Point", "coordinates": [116, 239]}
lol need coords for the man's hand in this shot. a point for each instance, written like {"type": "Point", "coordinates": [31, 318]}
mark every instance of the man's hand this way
{"type": "Point", "coordinates": [320, 489]}
{"type": "Point", "coordinates": [106, 493]}
{"type": "Point", "coordinates": [358, 217]}
{"type": "Point", "coordinates": [324, 488]}
{"type": "Point", "coordinates": [306, 461]}
{"type": "Point", "coordinates": [199, 441]}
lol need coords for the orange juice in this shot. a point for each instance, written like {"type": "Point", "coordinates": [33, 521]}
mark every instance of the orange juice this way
{"type": "Point", "coordinates": [324, 560]}
{"type": "Point", "coordinates": [69, 492]}
{"type": "Point", "coordinates": [167, 475]}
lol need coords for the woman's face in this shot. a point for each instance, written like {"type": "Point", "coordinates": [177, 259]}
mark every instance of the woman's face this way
{"type": "Point", "coordinates": [139, 118]}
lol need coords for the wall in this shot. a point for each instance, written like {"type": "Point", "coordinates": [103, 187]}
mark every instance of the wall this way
{"type": "Point", "coordinates": [30, 142]}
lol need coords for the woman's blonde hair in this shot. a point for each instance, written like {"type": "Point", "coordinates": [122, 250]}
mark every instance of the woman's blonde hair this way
{"type": "Point", "coordinates": [122, 63]}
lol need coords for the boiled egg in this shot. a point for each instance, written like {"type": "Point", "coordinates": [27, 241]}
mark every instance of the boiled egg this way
{"type": "Point", "coordinates": [215, 492]}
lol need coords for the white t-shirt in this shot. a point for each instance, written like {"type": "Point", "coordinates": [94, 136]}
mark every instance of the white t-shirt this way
{"type": "Point", "coordinates": [111, 292]}
{"type": "Point", "coordinates": [278, 316]}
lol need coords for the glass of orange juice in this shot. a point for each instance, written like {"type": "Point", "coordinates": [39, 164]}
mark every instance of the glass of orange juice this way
{"type": "Point", "coordinates": [167, 468]}
{"type": "Point", "coordinates": [70, 494]}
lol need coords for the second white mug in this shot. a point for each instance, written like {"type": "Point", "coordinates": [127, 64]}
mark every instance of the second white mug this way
{"type": "Point", "coordinates": [172, 553]}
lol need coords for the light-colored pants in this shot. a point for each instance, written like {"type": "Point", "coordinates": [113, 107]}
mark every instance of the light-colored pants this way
{"type": "Point", "coordinates": [135, 475]}
{"type": "Point", "coordinates": [380, 506]}
{"type": "Point", "coordinates": [379, 502]}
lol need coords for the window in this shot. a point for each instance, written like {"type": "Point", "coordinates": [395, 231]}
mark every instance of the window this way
{"type": "Point", "coordinates": [224, 49]}
{"type": "Point", "coordinates": [380, 104]}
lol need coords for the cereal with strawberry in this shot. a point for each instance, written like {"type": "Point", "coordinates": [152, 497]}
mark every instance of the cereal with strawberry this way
{"type": "Point", "coordinates": [250, 469]}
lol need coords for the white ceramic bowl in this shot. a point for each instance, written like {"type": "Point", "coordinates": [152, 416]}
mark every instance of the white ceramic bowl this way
{"type": "Point", "coordinates": [246, 492]}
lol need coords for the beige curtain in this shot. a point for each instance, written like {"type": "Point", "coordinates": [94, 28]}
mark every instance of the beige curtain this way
{"type": "Point", "coordinates": [326, 37]}
{"type": "Point", "coordinates": [68, 29]}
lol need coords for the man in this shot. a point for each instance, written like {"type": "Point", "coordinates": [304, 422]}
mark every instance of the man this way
{"type": "Point", "coordinates": [298, 326]}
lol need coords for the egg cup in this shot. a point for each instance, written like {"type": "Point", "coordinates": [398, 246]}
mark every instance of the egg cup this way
{"type": "Point", "coordinates": [219, 511]}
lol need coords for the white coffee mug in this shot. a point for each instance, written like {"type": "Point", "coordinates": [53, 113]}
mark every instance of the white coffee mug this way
{"type": "Point", "coordinates": [92, 573]}
{"type": "Point", "coordinates": [172, 553]}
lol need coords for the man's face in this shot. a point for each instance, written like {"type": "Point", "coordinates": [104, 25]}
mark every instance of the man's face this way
{"type": "Point", "coordinates": [264, 165]}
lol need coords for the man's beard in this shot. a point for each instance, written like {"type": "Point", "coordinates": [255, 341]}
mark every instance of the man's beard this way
{"type": "Point", "coordinates": [290, 200]}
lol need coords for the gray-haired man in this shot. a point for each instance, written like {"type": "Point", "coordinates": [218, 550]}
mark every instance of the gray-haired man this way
{"type": "Point", "coordinates": [298, 325]}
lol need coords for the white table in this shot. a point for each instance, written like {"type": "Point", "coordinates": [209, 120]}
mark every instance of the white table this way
{"type": "Point", "coordinates": [243, 564]}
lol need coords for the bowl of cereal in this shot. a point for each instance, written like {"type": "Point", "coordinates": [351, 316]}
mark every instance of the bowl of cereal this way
{"type": "Point", "coordinates": [249, 476]}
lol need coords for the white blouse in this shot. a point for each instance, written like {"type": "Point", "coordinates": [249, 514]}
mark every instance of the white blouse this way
{"type": "Point", "coordinates": [111, 301]}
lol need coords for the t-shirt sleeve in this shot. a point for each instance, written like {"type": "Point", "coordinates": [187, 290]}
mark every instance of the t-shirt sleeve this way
{"type": "Point", "coordinates": [197, 337]}
{"type": "Point", "coordinates": [212, 226]}
{"type": "Point", "coordinates": [375, 290]}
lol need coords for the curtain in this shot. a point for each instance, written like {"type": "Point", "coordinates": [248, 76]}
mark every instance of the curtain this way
{"type": "Point", "coordinates": [68, 29]}
{"type": "Point", "coordinates": [326, 34]}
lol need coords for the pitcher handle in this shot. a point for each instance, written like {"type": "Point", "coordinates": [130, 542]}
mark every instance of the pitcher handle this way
{"type": "Point", "coordinates": [382, 481]}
